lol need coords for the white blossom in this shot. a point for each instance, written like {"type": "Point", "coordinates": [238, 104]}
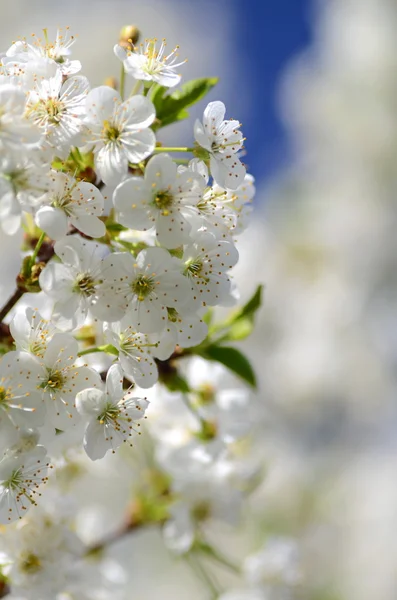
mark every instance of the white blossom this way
{"type": "Point", "coordinates": [58, 107]}
{"type": "Point", "coordinates": [143, 287]}
{"type": "Point", "coordinates": [21, 477]}
{"type": "Point", "coordinates": [68, 201]}
{"type": "Point", "coordinates": [147, 63]}
{"type": "Point", "coordinates": [74, 283]}
{"type": "Point", "coordinates": [22, 183]}
{"type": "Point", "coordinates": [134, 352]}
{"type": "Point", "coordinates": [222, 139]}
{"type": "Point", "coordinates": [111, 414]}
{"type": "Point", "coordinates": [165, 199]}
{"type": "Point", "coordinates": [119, 131]}
{"type": "Point", "coordinates": [16, 131]}
{"type": "Point", "coordinates": [206, 263]}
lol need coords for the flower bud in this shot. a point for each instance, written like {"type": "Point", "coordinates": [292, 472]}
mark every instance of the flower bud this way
{"type": "Point", "coordinates": [129, 36]}
{"type": "Point", "coordinates": [111, 82]}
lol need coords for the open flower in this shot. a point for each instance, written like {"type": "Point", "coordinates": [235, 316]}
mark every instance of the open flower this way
{"type": "Point", "coordinates": [20, 479]}
{"type": "Point", "coordinates": [135, 360]}
{"type": "Point", "coordinates": [119, 131]}
{"type": "Point", "coordinates": [59, 379]}
{"type": "Point", "coordinates": [222, 139]}
{"type": "Point", "coordinates": [37, 55]}
{"type": "Point", "coordinates": [206, 264]}
{"type": "Point", "coordinates": [111, 414]}
{"type": "Point", "coordinates": [143, 287]}
{"type": "Point", "coordinates": [149, 64]}
{"type": "Point", "coordinates": [72, 284]}
{"type": "Point", "coordinates": [15, 130]}
{"type": "Point", "coordinates": [58, 108]}
{"type": "Point", "coordinates": [68, 201]}
{"type": "Point", "coordinates": [21, 405]}
{"type": "Point", "coordinates": [165, 198]}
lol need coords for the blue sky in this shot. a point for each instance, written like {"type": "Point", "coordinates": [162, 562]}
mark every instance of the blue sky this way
{"type": "Point", "coordinates": [271, 32]}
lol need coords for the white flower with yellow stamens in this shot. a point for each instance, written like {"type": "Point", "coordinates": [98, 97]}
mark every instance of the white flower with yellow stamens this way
{"type": "Point", "coordinates": [58, 378]}
{"type": "Point", "coordinates": [21, 405]}
{"type": "Point", "coordinates": [21, 477]}
{"type": "Point", "coordinates": [111, 414]}
{"type": "Point", "coordinates": [119, 131]}
{"type": "Point", "coordinates": [222, 139]}
{"type": "Point", "coordinates": [147, 63]}
{"type": "Point", "coordinates": [164, 198]}
{"type": "Point", "coordinates": [68, 201]}
{"type": "Point", "coordinates": [57, 108]}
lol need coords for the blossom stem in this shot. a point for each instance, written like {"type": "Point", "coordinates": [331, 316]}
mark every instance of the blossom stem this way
{"type": "Point", "coordinates": [212, 552]}
{"type": "Point", "coordinates": [122, 81]}
{"type": "Point", "coordinates": [202, 574]}
{"type": "Point", "coordinates": [11, 303]}
{"type": "Point", "coordinates": [37, 249]}
{"type": "Point", "coordinates": [168, 149]}
{"type": "Point", "coordinates": [108, 348]}
{"type": "Point", "coordinates": [136, 87]}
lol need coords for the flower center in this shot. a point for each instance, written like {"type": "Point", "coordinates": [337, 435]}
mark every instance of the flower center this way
{"type": "Point", "coordinates": [30, 564]}
{"type": "Point", "coordinates": [62, 202]}
{"type": "Point", "coordinates": [4, 398]}
{"type": "Point", "coordinates": [163, 200]}
{"type": "Point", "coordinates": [142, 286]}
{"type": "Point", "coordinates": [109, 415]}
{"type": "Point", "coordinates": [85, 284]}
{"type": "Point", "coordinates": [55, 381]}
{"type": "Point", "coordinates": [110, 132]}
{"type": "Point", "coordinates": [15, 481]}
{"type": "Point", "coordinates": [18, 179]}
{"type": "Point", "coordinates": [201, 511]}
{"type": "Point", "coordinates": [193, 267]}
{"type": "Point", "coordinates": [53, 107]}
{"type": "Point", "coordinates": [206, 394]}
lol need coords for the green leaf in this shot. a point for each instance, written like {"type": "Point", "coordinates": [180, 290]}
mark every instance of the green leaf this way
{"type": "Point", "coordinates": [240, 329]}
{"type": "Point", "coordinates": [249, 309]}
{"type": "Point", "coordinates": [233, 359]}
{"type": "Point", "coordinates": [172, 107]}
{"type": "Point", "coordinates": [176, 383]}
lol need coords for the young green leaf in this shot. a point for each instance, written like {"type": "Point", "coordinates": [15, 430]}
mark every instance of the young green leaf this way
{"type": "Point", "coordinates": [172, 107]}
{"type": "Point", "coordinates": [233, 359]}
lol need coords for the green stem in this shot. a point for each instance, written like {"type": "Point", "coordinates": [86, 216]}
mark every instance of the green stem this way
{"type": "Point", "coordinates": [211, 552]}
{"type": "Point", "coordinates": [136, 88]}
{"type": "Point", "coordinates": [147, 89]}
{"type": "Point", "coordinates": [108, 348]}
{"type": "Point", "coordinates": [202, 574]}
{"type": "Point", "coordinates": [37, 249]}
{"type": "Point", "coordinates": [122, 81]}
{"type": "Point", "coordinates": [168, 149]}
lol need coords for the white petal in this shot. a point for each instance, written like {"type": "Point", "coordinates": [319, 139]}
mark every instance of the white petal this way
{"type": "Point", "coordinates": [101, 102]}
{"type": "Point", "coordinates": [114, 383]}
{"type": "Point", "coordinates": [140, 111]}
{"type": "Point", "coordinates": [213, 115]}
{"type": "Point", "coordinates": [96, 443]}
{"type": "Point", "coordinates": [90, 402]}
{"type": "Point", "coordinates": [161, 172]}
{"type": "Point", "coordinates": [89, 225]}
{"type": "Point", "coordinates": [53, 221]}
{"type": "Point", "coordinates": [138, 145]}
{"type": "Point", "coordinates": [200, 136]}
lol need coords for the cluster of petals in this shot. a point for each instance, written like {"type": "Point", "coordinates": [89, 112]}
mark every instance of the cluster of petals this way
{"type": "Point", "coordinates": [141, 302]}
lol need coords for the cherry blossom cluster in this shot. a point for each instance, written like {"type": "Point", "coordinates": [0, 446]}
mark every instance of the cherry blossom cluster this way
{"type": "Point", "coordinates": [127, 250]}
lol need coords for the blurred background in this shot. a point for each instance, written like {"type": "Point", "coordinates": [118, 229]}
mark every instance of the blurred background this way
{"type": "Point", "coordinates": [314, 84]}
